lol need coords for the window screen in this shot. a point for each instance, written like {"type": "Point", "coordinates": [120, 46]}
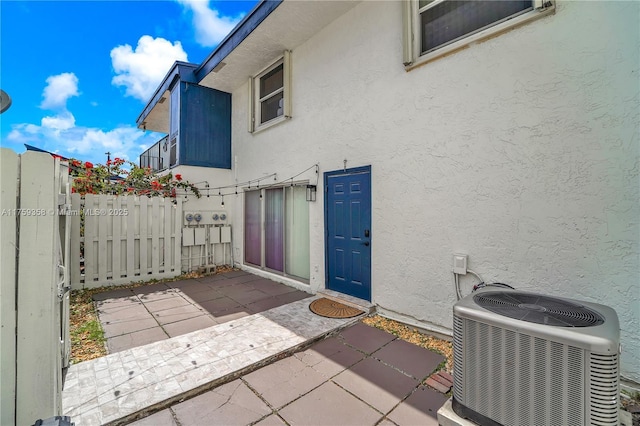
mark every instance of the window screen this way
{"type": "Point", "coordinates": [450, 20]}
{"type": "Point", "coordinates": [271, 81]}
{"type": "Point", "coordinates": [271, 94]}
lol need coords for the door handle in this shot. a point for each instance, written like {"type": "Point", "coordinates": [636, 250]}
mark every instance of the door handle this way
{"type": "Point", "coordinates": [366, 243]}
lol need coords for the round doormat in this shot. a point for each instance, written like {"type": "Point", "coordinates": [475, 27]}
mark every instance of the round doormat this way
{"type": "Point", "coordinates": [332, 309]}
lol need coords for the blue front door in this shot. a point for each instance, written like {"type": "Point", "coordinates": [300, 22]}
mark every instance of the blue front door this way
{"type": "Point", "coordinates": [348, 231]}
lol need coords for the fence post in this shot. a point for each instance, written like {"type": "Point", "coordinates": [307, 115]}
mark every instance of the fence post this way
{"type": "Point", "coordinates": [74, 257]}
{"type": "Point", "coordinates": [116, 239]}
{"type": "Point", "coordinates": [90, 228]}
{"type": "Point", "coordinates": [177, 238]}
{"type": "Point", "coordinates": [8, 198]}
{"type": "Point", "coordinates": [132, 201]}
{"type": "Point", "coordinates": [38, 373]}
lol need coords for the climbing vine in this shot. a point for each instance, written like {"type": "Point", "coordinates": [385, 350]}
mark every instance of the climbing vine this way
{"type": "Point", "coordinates": [121, 177]}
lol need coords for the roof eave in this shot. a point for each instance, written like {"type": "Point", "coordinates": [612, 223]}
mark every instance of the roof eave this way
{"type": "Point", "coordinates": [184, 71]}
{"type": "Point", "coordinates": [249, 23]}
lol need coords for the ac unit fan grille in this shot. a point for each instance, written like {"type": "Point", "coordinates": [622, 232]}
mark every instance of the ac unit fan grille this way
{"type": "Point", "coordinates": [538, 309]}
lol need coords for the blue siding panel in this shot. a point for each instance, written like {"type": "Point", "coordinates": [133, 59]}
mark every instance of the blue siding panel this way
{"type": "Point", "coordinates": [205, 127]}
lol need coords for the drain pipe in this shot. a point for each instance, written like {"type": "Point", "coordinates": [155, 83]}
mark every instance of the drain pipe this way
{"type": "Point", "coordinates": [456, 282]}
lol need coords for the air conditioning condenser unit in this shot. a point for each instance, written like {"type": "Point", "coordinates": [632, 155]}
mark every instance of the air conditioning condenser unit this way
{"type": "Point", "coordinates": [528, 359]}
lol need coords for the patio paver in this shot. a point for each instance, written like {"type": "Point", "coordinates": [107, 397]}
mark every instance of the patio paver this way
{"type": "Point", "coordinates": [231, 403]}
{"type": "Point", "coordinates": [137, 338]}
{"type": "Point", "coordinates": [273, 420]}
{"type": "Point", "coordinates": [329, 405]}
{"type": "Point", "coordinates": [289, 379]}
{"type": "Point", "coordinates": [118, 328]}
{"type": "Point", "coordinates": [330, 357]}
{"type": "Point", "coordinates": [178, 313]}
{"type": "Point", "coordinates": [411, 359]}
{"type": "Point", "coordinates": [161, 418]}
{"type": "Point", "coordinates": [366, 339]}
{"type": "Point", "coordinates": [376, 383]}
{"type": "Point", "coordinates": [420, 408]}
{"type": "Point", "coordinates": [189, 325]}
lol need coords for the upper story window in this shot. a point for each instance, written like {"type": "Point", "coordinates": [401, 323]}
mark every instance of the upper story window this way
{"type": "Point", "coordinates": [434, 28]}
{"type": "Point", "coordinates": [270, 95]}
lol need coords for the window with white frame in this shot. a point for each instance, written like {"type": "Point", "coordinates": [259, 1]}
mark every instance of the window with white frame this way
{"type": "Point", "coordinates": [270, 97]}
{"type": "Point", "coordinates": [276, 230]}
{"type": "Point", "coordinates": [436, 27]}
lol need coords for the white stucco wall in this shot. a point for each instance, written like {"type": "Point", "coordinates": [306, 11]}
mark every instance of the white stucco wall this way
{"type": "Point", "coordinates": [521, 151]}
{"type": "Point", "coordinates": [200, 176]}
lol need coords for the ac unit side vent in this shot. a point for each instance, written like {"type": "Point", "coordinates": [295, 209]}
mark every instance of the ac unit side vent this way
{"type": "Point", "coordinates": [538, 309]}
{"type": "Point", "coordinates": [604, 389]}
{"type": "Point", "coordinates": [508, 376]}
{"type": "Point", "coordinates": [458, 359]}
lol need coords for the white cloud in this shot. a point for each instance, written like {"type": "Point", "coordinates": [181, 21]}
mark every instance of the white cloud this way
{"type": "Point", "coordinates": [84, 143]}
{"type": "Point", "coordinates": [210, 26]}
{"type": "Point", "coordinates": [62, 121]}
{"type": "Point", "coordinates": [59, 133]}
{"type": "Point", "coordinates": [119, 140]}
{"type": "Point", "coordinates": [141, 70]}
{"type": "Point", "coordinates": [58, 90]}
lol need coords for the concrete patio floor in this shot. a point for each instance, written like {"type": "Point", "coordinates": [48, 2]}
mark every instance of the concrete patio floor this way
{"type": "Point", "coordinates": [143, 315]}
{"type": "Point", "coordinates": [360, 376]}
{"type": "Point", "coordinates": [218, 350]}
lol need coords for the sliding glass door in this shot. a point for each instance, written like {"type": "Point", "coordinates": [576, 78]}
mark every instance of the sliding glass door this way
{"type": "Point", "coordinates": [297, 232]}
{"type": "Point", "coordinates": [274, 229]}
{"type": "Point", "coordinates": [277, 230]}
{"type": "Point", "coordinates": [252, 228]}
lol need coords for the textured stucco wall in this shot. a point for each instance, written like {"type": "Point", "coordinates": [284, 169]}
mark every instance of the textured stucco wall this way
{"type": "Point", "coordinates": [200, 176]}
{"type": "Point", "coordinates": [521, 151]}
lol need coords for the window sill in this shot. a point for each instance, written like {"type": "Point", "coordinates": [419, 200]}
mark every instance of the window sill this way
{"type": "Point", "coordinates": [482, 36]}
{"type": "Point", "coordinates": [271, 123]}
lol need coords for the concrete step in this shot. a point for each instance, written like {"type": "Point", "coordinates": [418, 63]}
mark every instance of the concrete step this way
{"type": "Point", "coordinates": [354, 302]}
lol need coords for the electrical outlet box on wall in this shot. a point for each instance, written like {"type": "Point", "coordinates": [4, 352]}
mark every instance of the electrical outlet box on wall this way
{"type": "Point", "coordinates": [460, 264]}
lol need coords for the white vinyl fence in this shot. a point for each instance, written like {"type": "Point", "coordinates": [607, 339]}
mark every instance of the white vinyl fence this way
{"type": "Point", "coordinates": [126, 239]}
{"type": "Point", "coordinates": [34, 298]}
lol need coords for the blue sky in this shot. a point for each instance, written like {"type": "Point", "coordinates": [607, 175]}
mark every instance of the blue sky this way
{"type": "Point", "coordinates": [80, 72]}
